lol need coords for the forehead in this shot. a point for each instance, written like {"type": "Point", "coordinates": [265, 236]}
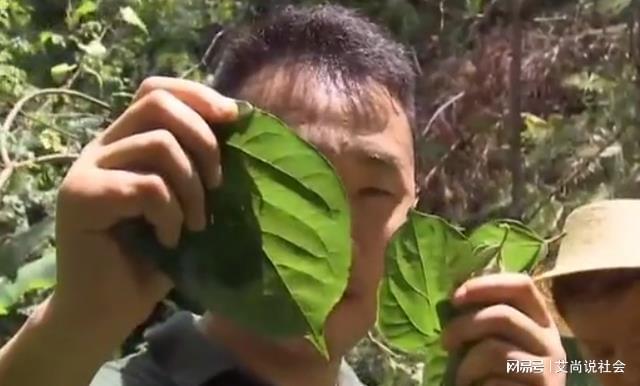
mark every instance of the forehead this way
{"type": "Point", "coordinates": [334, 114]}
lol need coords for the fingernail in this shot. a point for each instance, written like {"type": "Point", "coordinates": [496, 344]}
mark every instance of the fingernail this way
{"type": "Point", "coordinates": [215, 178]}
{"type": "Point", "coordinates": [459, 294]}
{"type": "Point", "coordinates": [244, 109]}
{"type": "Point", "coordinates": [174, 240]}
{"type": "Point", "coordinates": [198, 222]}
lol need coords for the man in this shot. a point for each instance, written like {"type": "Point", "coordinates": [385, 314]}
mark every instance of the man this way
{"type": "Point", "coordinates": [345, 87]}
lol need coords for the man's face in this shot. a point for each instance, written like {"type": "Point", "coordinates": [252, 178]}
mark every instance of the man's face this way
{"type": "Point", "coordinates": [374, 159]}
{"type": "Point", "coordinates": [607, 330]}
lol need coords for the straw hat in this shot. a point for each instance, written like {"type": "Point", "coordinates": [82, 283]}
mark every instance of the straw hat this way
{"type": "Point", "coordinates": [599, 236]}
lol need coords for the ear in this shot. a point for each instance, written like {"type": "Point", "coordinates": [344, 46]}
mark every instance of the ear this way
{"type": "Point", "coordinates": [416, 199]}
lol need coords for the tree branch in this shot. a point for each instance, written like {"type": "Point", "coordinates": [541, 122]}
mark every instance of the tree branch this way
{"type": "Point", "coordinates": [514, 119]}
{"type": "Point", "coordinates": [205, 57]}
{"type": "Point", "coordinates": [440, 110]}
{"type": "Point", "coordinates": [49, 158]}
{"type": "Point", "coordinates": [9, 165]}
{"type": "Point", "coordinates": [576, 172]}
{"type": "Point", "coordinates": [452, 149]}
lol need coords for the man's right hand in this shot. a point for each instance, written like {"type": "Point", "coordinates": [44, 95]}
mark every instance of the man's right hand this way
{"type": "Point", "coordinates": [155, 161]}
{"type": "Point", "coordinates": [508, 321]}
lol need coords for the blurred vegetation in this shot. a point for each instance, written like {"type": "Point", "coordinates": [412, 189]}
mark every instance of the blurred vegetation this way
{"type": "Point", "coordinates": [528, 109]}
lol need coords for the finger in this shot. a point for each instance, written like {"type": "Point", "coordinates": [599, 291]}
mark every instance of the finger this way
{"type": "Point", "coordinates": [161, 109]}
{"type": "Point", "coordinates": [159, 151]}
{"type": "Point", "coordinates": [489, 358]}
{"type": "Point", "coordinates": [211, 105]}
{"type": "Point", "coordinates": [148, 195]}
{"type": "Point", "coordinates": [499, 320]}
{"type": "Point", "coordinates": [517, 290]}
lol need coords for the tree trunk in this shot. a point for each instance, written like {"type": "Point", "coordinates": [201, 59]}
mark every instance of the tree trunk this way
{"type": "Point", "coordinates": [514, 119]}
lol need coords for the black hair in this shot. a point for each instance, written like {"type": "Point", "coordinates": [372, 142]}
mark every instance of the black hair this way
{"type": "Point", "coordinates": [333, 43]}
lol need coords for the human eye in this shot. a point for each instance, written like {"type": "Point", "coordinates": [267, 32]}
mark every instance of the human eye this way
{"type": "Point", "coordinates": [374, 191]}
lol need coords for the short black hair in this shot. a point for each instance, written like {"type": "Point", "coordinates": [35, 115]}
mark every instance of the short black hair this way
{"type": "Point", "coordinates": [335, 43]}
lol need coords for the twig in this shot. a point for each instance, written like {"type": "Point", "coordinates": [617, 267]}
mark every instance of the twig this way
{"type": "Point", "coordinates": [9, 165]}
{"type": "Point", "coordinates": [514, 118]}
{"type": "Point", "coordinates": [576, 172]}
{"type": "Point", "coordinates": [4, 130]}
{"type": "Point", "coordinates": [49, 158]}
{"type": "Point", "coordinates": [383, 347]}
{"type": "Point", "coordinates": [550, 19]}
{"type": "Point", "coordinates": [48, 125]}
{"type": "Point", "coordinates": [456, 145]}
{"type": "Point", "coordinates": [440, 110]}
{"type": "Point", "coordinates": [204, 59]}
{"type": "Point", "coordinates": [7, 172]}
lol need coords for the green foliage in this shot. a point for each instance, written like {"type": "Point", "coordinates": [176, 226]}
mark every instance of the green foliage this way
{"type": "Point", "coordinates": [612, 7]}
{"type": "Point", "coordinates": [16, 249]}
{"type": "Point", "coordinates": [35, 275]}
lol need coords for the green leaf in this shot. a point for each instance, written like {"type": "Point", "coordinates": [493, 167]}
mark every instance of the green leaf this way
{"type": "Point", "coordinates": [589, 82]}
{"type": "Point", "coordinates": [36, 275]}
{"type": "Point", "coordinates": [131, 17]}
{"type": "Point", "coordinates": [95, 48]}
{"type": "Point", "coordinates": [520, 249]}
{"type": "Point", "coordinates": [87, 7]}
{"type": "Point", "coordinates": [52, 140]}
{"type": "Point", "coordinates": [425, 260]}
{"type": "Point", "coordinates": [60, 71]}
{"type": "Point", "coordinates": [15, 249]}
{"type": "Point", "coordinates": [275, 256]}
{"type": "Point", "coordinates": [51, 37]}
{"type": "Point", "coordinates": [536, 129]}
{"type": "Point", "coordinates": [612, 8]}
{"type": "Point", "coordinates": [474, 7]}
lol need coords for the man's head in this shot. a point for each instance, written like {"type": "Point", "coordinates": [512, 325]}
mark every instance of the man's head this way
{"type": "Point", "coordinates": [595, 284]}
{"type": "Point", "coordinates": [347, 88]}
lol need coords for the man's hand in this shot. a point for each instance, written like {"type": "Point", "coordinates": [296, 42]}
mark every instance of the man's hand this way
{"type": "Point", "coordinates": [155, 161]}
{"type": "Point", "coordinates": [508, 321]}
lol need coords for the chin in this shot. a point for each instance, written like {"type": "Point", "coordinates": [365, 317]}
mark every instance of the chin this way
{"type": "Point", "coordinates": [347, 324]}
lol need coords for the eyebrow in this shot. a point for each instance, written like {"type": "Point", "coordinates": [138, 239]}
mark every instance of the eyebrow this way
{"type": "Point", "coordinates": [379, 157]}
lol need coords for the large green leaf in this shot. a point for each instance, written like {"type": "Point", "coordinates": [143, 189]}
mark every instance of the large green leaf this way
{"type": "Point", "coordinates": [35, 275]}
{"type": "Point", "coordinates": [276, 253]}
{"type": "Point", "coordinates": [425, 261]}
{"type": "Point", "coordinates": [15, 249]}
